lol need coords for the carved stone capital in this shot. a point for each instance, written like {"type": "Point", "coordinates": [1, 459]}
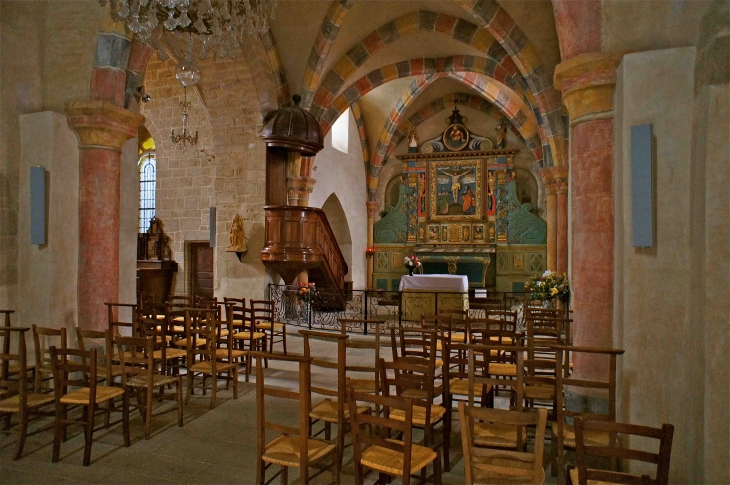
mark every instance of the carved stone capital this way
{"type": "Point", "coordinates": [556, 179]}
{"type": "Point", "coordinates": [100, 124]}
{"type": "Point", "coordinates": [587, 82]}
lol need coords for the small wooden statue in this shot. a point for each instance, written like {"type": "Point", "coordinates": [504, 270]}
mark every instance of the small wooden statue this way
{"type": "Point", "coordinates": [501, 130]}
{"type": "Point", "coordinates": [238, 242]}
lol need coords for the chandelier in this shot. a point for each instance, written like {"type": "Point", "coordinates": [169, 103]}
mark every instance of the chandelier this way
{"type": "Point", "coordinates": [188, 73]}
{"type": "Point", "coordinates": [219, 25]}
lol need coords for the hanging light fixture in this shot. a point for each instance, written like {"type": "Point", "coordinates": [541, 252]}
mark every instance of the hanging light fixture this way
{"type": "Point", "coordinates": [219, 25]}
{"type": "Point", "coordinates": [187, 73]}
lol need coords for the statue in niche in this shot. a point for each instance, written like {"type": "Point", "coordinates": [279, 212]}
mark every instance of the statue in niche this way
{"type": "Point", "coordinates": [413, 141]}
{"type": "Point", "coordinates": [501, 130]}
{"type": "Point", "coordinates": [238, 242]}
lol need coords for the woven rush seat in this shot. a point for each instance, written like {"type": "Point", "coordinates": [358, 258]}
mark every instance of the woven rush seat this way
{"type": "Point", "coordinates": [175, 329]}
{"type": "Point", "coordinates": [391, 462]}
{"type": "Point", "coordinates": [13, 369]}
{"type": "Point", "coordinates": [495, 435]}
{"type": "Point", "coordinates": [179, 319]}
{"type": "Point", "coordinates": [184, 342]}
{"type": "Point", "coordinates": [235, 353]}
{"type": "Point", "coordinates": [157, 380]}
{"type": "Point", "coordinates": [81, 396]}
{"type": "Point", "coordinates": [169, 354]}
{"type": "Point", "coordinates": [419, 414]}
{"type": "Point", "coordinates": [590, 437]}
{"type": "Point", "coordinates": [207, 367]}
{"type": "Point", "coordinates": [362, 385]}
{"type": "Point", "coordinates": [327, 411]}
{"type": "Point", "coordinates": [12, 404]}
{"type": "Point", "coordinates": [505, 340]}
{"type": "Point", "coordinates": [267, 326]}
{"type": "Point", "coordinates": [461, 387]}
{"type": "Point", "coordinates": [237, 322]}
{"type": "Point", "coordinates": [160, 317]}
{"type": "Point", "coordinates": [574, 478]}
{"type": "Point", "coordinates": [539, 392]}
{"type": "Point", "coordinates": [284, 450]}
{"type": "Point", "coordinates": [499, 369]}
{"type": "Point", "coordinates": [247, 335]}
{"type": "Point", "coordinates": [498, 471]}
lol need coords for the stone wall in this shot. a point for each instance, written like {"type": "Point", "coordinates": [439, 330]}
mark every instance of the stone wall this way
{"type": "Point", "coordinates": [227, 174]}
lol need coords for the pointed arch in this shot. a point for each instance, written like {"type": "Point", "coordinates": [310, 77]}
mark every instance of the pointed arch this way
{"type": "Point", "coordinates": [337, 218]}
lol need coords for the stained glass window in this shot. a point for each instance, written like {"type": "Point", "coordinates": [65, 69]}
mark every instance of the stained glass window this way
{"type": "Point", "coordinates": [147, 180]}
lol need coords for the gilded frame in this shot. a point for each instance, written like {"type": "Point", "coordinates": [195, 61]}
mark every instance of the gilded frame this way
{"type": "Point", "coordinates": [459, 165]}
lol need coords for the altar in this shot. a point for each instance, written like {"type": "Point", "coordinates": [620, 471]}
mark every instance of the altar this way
{"type": "Point", "coordinates": [421, 294]}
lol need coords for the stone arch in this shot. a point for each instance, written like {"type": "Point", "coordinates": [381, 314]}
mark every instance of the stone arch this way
{"type": "Point", "coordinates": [356, 110]}
{"type": "Point", "coordinates": [320, 50]}
{"type": "Point", "coordinates": [503, 28]}
{"type": "Point", "coordinates": [337, 218]}
{"type": "Point", "coordinates": [420, 21]}
{"type": "Point", "coordinates": [521, 117]}
{"type": "Point", "coordinates": [471, 65]}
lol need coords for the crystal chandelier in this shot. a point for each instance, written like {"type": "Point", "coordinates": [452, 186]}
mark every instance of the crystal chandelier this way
{"type": "Point", "coordinates": [219, 25]}
{"type": "Point", "coordinates": [188, 73]}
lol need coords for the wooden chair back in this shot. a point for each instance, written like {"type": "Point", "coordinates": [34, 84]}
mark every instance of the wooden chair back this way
{"type": "Point", "coordinates": [585, 452]}
{"type": "Point", "coordinates": [262, 311]}
{"type": "Point", "coordinates": [542, 335]}
{"type": "Point", "coordinates": [74, 368]}
{"type": "Point", "coordinates": [43, 339]}
{"type": "Point", "coordinates": [6, 316]}
{"type": "Point", "coordinates": [93, 339]}
{"type": "Point", "coordinates": [136, 355]}
{"type": "Point", "coordinates": [479, 369]}
{"type": "Point", "coordinates": [338, 365]}
{"type": "Point", "coordinates": [180, 301]}
{"type": "Point", "coordinates": [17, 361]}
{"type": "Point", "coordinates": [487, 465]}
{"type": "Point", "coordinates": [410, 378]}
{"type": "Point", "coordinates": [237, 306]}
{"type": "Point", "coordinates": [201, 333]}
{"type": "Point", "coordinates": [414, 343]}
{"type": "Point", "coordinates": [116, 324]}
{"type": "Point", "coordinates": [302, 395]}
{"type": "Point", "coordinates": [376, 429]}
{"type": "Point", "coordinates": [354, 372]}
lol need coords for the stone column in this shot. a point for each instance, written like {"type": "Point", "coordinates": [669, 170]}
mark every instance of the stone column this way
{"type": "Point", "coordinates": [372, 207]}
{"type": "Point", "coordinates": [102, 129]}
{"type": "Point", "coordinates": [547, 177]}
{"type": "Point", "coordinates": [299, 182]}
{"type": "Point", "coordinates": [560, 179]}
{"type": "Point", "coordinates": [587, 82]}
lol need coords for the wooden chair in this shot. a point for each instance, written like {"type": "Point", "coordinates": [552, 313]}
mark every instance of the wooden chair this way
{"type": "Point", "coordinates": [13, 369]}
{"type": "Point", "coordinates": [359, 376]}
{"type": "Point", "coordinates": [14, 395]}
{"type": "Point", "coordinates": [543, 334]}
{"type": "Point", "coordinates": [263, 317]}
{"type": "Point", "coordinates": [481, 357]}
{"type": "Point", "coordinates": [376, 450]}
{"type": "Point", "coordinates": [562, 434]}
{"type": "Point", "coordinates": [330, 411]}
{"type": "Point", "coordinates": [582, 475]}
{"type": "Point", "coordinates": [116, 324]}
{"type": "Point", "coordinates": [292, 447]}
{"type": "Point", "coordinates": [246, 338]}
{"type": "Point", "coordinates": [497, 330]}
{"type": "Point", "coordinates": [203, 360]}
{"type": "Point", "coordinates": [170, 358]}
{"type": "Point", "coordinates": [43, 340]}
{"type": "Point", "coordinates": [418, 343]}
{"type": "Point", "coordinates": [413, 378]}
{"type": "Point", "coordinates": [487, 465]}
{"type": "Point", "coordinates": [226, 349]}
{"type": "Point", "coordinates": [138, 374]}
{"type": "Point", "coordinates": [101, 341]}
{"type": "Point", "coordinates": [78, 369]}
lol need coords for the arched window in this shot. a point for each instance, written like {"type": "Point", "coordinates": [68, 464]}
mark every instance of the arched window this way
{"type": "Point", "coordinates": [147, 180]}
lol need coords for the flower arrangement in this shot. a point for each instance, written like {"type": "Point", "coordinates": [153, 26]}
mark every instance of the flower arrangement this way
{"type": "Point", "coordinates": [307, 292]}
{"type": "Point", "coordinates": [411, 262]}
{"type": "Point", "coordinates": [547, 286]}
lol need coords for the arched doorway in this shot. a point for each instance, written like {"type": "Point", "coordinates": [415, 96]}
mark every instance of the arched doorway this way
{"type": "Point", "coordinates": [340, 228]}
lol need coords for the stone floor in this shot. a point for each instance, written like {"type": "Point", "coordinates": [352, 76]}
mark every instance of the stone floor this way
{"type": "Point", "coordinates": [213, 446]}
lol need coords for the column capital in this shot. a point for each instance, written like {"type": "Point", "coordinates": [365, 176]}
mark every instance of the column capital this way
{"type": "Point", "coordinates": [101, 124]}
{"type": "Point", "coordinates": [556, 179]}
{"type": "Point", "coordinates": [587, 82]}
{"type": "Point", "coordinates": [372, 207]}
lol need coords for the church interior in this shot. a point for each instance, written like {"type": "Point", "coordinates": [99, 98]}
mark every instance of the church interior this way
{"type": "Point", "coordinates": [496, 140]}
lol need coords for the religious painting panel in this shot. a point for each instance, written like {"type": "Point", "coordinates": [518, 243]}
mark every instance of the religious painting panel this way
{"type": "Point", "coordinates": [433, 233]}
{"type": "Point", "coordinates": [478, 232]}
{"type": "Point", "coordinates": [456, 191]}
{"type": "Point", "coordinates": [444, 233]}
{"type": "Point", "coordinates": [465, 233]}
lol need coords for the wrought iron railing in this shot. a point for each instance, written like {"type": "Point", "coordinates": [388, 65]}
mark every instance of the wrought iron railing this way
{"type": "Point", "coordinates": [394, 308]}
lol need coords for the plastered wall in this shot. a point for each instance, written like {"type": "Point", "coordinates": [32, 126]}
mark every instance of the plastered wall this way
{"type": "Point", "coordinates": [670, 309]}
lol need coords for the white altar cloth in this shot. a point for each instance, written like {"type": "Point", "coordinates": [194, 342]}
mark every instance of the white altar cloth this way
{"type": "Point", "coordinates": [435, 282]}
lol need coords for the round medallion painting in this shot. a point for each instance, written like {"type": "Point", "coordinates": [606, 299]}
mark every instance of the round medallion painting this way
{"type": "Point", "coordinates": [456, 137]}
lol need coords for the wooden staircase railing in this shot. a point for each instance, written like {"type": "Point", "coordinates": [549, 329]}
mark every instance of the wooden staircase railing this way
{"type": "Point", "coordinates": [298, 239]}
